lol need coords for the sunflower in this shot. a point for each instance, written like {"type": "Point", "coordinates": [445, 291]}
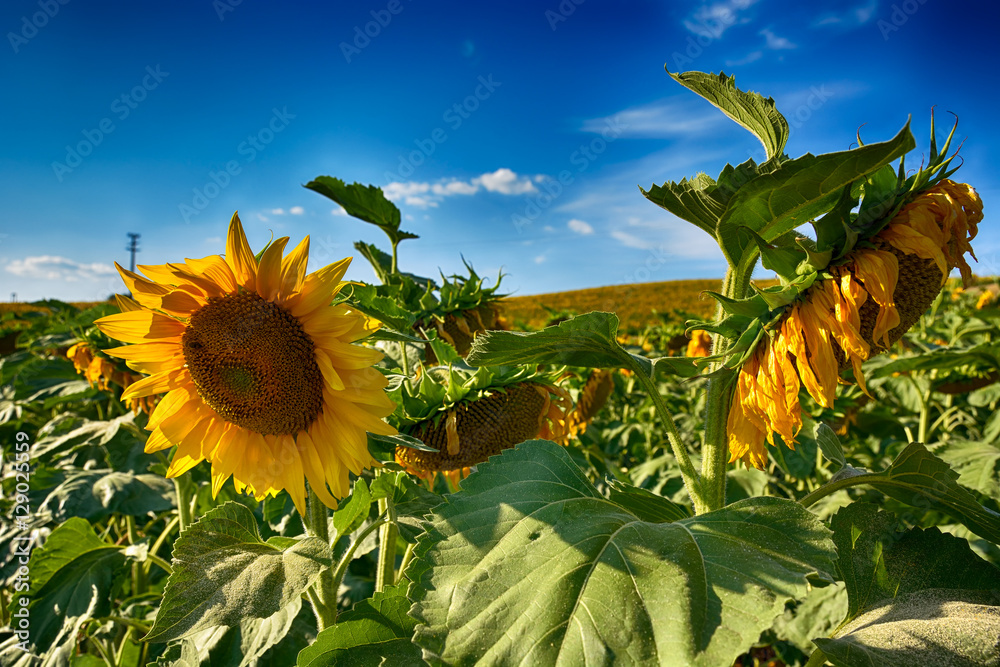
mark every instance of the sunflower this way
{"type": "Point", "coordinates": [861, 306]}
{"type": "Point", "coordinates": [473, 430]}
{"type": "Point", "coordinates": [986, 298]}
{"type": "Point", "coordinates": [700, 344]}
{"type": "Point", "coordinates": [259, 372]}
{"type": "Point", "coordinates": [593, 396]}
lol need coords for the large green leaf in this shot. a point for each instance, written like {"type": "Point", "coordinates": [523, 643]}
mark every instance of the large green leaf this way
{"type": "Point", "coordinates": [920, 479]}
{"type": "Point", "coordinates": [915, 597]}
{"type": "Point", "coordinates": [93, 494]}
{"type": "Point", "coordinates": [985, 355]}
{"type": "Point", "coordinates": [366, 203]}
{"type": "Point", "coordinates": [587, 340]}
{"type": "Point", "coordinates": [799, 190]}
{"type": "Point", "coordinates": [977, 464]}
{"type": "Point", "coordinates": [930, 627]}
{"type": "Point", "coordinates": [529, 564]}
{"type": "Point", "coordinates": [383, 308]}
{"type": "Point", "coordinates": [224, 573]}
{"type": "Point", "coordinates": [815, 616]}
{"type": "Point", "coordinates": [72, 579]}
{"type": "Point", "coordinates": [751, 110]}
{"type": "Point", "coordinates": [375, 632]}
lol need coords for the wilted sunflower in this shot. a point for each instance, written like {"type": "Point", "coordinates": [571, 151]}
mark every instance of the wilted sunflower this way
{"type": "Point", "coordinates": [870, 298]}
{"type": "Point", "coordinates": [259, 370]}
{"type": "Point", "coordinates": [700, 344]}
{"type": "Point", "coordinates": [593, 396]}
{"type": "Point", "coordinates": [474, 430]}
{"type": "Point", "coordinates": [104, 375]}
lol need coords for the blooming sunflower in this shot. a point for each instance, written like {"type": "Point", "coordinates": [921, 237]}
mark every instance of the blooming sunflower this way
{"type": "Point", "coordinates": [857, 308]}
{"type": "Point", "coordinates": [258, 369]}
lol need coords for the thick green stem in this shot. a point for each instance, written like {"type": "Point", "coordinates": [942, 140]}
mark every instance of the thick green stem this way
{"type": "Point", "coordinates": [394, 269]}
{"type": "Point", "coordinates": [407, 557]}
{"type": "Point", "coordinates": [405, 359]}
{"type": "Point", "coordinates": [385, 575]}
{"type": "Point", "coordinates": [324, 597]}
{"type": "Point", "coordinates": [692, 481]}
{"type": "Point", "coordinates": [715, 452]}
{"type": "Point", "coordinates": [138, 571]}
{"type": "Point", "coordinates": [181, 488]}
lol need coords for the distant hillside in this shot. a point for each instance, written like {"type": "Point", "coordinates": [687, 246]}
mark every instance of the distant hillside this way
{"type": "Point", "coordinates": [636, 305]}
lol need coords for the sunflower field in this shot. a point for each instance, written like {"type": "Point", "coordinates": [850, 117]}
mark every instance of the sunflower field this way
{"type": "Point", "coordinates": [243, 462]}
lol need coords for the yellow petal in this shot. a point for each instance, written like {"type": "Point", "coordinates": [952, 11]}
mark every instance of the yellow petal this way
{"type": "Point", "coordinates": [293, 268]}
{"type": "Point", "coordinates": [141, 326]}
{"type": "Point", "coordinates": [158, 384]}
{"type": "Point", "coordinates": [318, 288]}
{"type": "Point", "coordinates": [269, 270]}
{"type": "Point", "coordinates": [239, 257]}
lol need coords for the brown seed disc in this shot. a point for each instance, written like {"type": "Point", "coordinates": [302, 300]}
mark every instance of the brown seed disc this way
{"type": "Point", "coordinates": [254, 365]}
{"type": "Point", "coordinates": [486, 426]}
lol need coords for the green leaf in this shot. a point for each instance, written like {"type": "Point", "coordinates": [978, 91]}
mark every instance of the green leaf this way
{"type": "Point", "coordinates": [880, 564]}
{"type": "Point", "coordinates": [529, 564]}
{"type": "Point", "coordinates": [829, 444]}
{"type": "Point", "coordinates": [689, 200]}
{"type": "Point", "coordinates": [977, 464]}
{"type": "Point", "coordinates": [986, 354]}
{"type": "Point", "coordinates": [815, 616]}
{"type": "Point", "coordinates": [749, 109]}
{"type": "Point", "coordinates": [224, 573]}
{"type": "Point", "coordinates": [644, 504]}
{"type": "Point", "coordinates": [799, 190]}
{"type": "Point", "coordinates": [381, 262]}
{"type": "Point", "coordinates": [351, 514]}
{"type": "Point", "coordinates": [72, 578]}
{"type": "Point", "coordinates": [94, 494]}
{"type": "Point", "coordinates": [911, 595]}
{"type": "Point", "coordinates": [366, 203]}
{"type": "Point", "coordinates": [930, 627]}
{"type": "Point", "coordinates": [384, 309]}
{"type": "Point", "coordinates": [920, 479]}
{"type": "Point", "coordinates": [587, 340]}
{"type": "Point", "coordinates": [376, 631]}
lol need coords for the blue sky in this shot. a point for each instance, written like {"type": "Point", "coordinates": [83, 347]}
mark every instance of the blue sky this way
{"type": "Point", "coordinates": [162, 119]}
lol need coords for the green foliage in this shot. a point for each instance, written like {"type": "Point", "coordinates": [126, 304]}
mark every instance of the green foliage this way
{"type": "Point", "coordinates": [531, 564]}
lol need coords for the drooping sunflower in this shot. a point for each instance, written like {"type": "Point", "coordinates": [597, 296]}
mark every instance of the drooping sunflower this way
{"type": "Point", "coordinates": [700, 344]}
{"type": "Point", "coordinates": [857, 308]}
{"type": "Point", "coordinates": [103, 374]}
{"type": "Point", "coordinates": [260, 373]}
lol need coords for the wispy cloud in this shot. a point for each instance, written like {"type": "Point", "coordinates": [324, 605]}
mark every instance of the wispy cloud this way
{"type": "Point", "coordinates": [339, 210]}
{"type": "Point", "coordinates": [277, 211]}
{"type": "Point", "coordinates": [296, 210]}
{"type": "Point", "coordinates": [663, 118]}
{"type": "Point", "coordinates": [849, 18]}
{"type": "Point", "coordinates": [503, 181]}
{"type": "Point", "coordinates": [713, 19]}
{"type": "Point", "coordinates": [53, 267]}
{"type": "Point", "coordinates": [776, 43]}
{"type": "Point", "coordinates": [746, 60]}
{"type": "Point", "coordinates": [580, 227]}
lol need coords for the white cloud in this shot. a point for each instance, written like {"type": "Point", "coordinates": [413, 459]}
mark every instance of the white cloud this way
{"type": "Point", "coordinates": [776, 43]}
{"type": "Point", "coordinates": [52, 267]}
{"type": "Point", "coordinates": [712, 20]}
{"type": "Point", "coordinates": [423, 195]}
{"type": "Point", "coordinates": [296, 210]}
{"type": "Point", "coordinates": [850, 18]}
{"type": "Point", "coordinates": [663, 118]}
{"type": "Point", "coordinates": [631, 241]}
{"type": "Point", "coordinates": [277, 211]}
{"type": "Point", "coordinates": [580, 227]}
{"type": "Point", "coordinates": [339, 210]}
{"type": "Point", "coordinates": [548, 228]}
{"type": "Point", "coordinates": [262, 217]}
{"type": "Point", "coordinates": [539, 259]}
{"type": "Point", "coordinates": [506, 182]}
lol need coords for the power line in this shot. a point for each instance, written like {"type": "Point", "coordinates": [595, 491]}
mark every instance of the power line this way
{"type": "Point", "coordinates": [133, 247]}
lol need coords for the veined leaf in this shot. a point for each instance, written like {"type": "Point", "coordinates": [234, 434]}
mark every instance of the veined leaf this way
{"type": "Point", "coordinates": [920, 479]}
{"type": "Point", "coordinates": [751, 110]}
{"type": "Point", "coordinates": [588, 340]}
{"type": "Point", "coordinates": [917, 597]}
{"type": "Point", "coordinates": [799, 190]}
{"type": "Point", "coordinates": [224, 573]}
{"type": "Point", "coordinates": [366, 203]}
{"type": "Point", "coordinates": [376, 631]}
{"type": "Point", "coordinates": [93, 494]}
{"type": "Point", "coordinates": [530, 565]}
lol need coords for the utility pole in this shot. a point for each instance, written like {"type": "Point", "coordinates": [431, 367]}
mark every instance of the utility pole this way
{"type": "Point", "coordinates": [133, 247]}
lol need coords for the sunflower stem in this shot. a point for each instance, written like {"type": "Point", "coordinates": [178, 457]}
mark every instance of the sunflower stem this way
{"type": "Point", "coordinates": [183, 503]}
{"type": "Point", "coordinates": [715, 452]}
{"type": "Point", "coordinates": [692, 481]}
{"type": "Point", "coordinates": [407, 557]}
{"type": "Point", "coordinates": [394, 269]}
{"type": "Point", "coordinates": [385, 575]}
{"type": "Point", "coordinates": [318, 525]}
